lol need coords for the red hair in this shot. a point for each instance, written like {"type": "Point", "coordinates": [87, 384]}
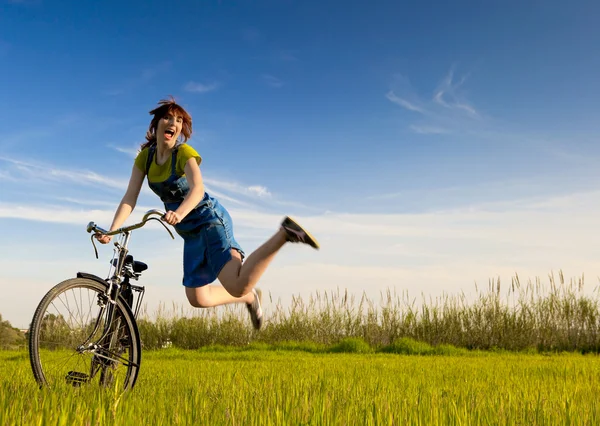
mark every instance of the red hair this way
{"type": "Point", "coordinates": [165, 107]}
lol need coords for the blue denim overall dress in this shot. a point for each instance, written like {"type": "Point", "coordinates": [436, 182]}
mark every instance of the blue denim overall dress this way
{"type": "Point", "coordinates": [207, 230]}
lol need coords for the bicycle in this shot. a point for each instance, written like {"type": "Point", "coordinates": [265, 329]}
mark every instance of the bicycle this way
{"type": "Point", "coordinates": [101, 346]}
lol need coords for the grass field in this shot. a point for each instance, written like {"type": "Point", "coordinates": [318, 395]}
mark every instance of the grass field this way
{"type": "Point", "coordinates": [232, 386]}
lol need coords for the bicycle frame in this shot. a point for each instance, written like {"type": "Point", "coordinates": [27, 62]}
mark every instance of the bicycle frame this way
{"type": "Point", "coordinates": [118, 275]}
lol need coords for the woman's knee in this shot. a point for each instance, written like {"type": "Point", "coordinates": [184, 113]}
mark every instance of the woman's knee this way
{"type": "Point", "coordinates": [197, 297]}
{"type": "Point", "coordinates": [196, 303]}
{"type": "Point", "coordinates": [236, 286]}
{"type": "Point", "coordinates": [236, 291]}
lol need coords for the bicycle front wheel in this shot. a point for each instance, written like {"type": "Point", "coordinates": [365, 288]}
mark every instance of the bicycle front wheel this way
{"type": "Point", "coordinates": [69, 344]}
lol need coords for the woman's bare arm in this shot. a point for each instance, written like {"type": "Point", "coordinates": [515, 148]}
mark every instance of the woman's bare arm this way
{"type": "Point", "coordinates": [194, 196]}
{"type": "Point", "coordinates": [127, 203]}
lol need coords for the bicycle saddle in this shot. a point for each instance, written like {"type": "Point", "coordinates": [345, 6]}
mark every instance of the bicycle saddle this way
{"type": "Point", "coordinates": [136, 264]}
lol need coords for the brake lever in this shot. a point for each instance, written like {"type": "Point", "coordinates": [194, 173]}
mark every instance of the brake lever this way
{"type": "Point", "coordinates": [94, 244]}
{"type": "Point", "coordinates": [163, 224]}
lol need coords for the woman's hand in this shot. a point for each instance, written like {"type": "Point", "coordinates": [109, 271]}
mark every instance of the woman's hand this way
{"type": "Point", "coordinates": [104, 239]}
{"type": "Point", "coordinates": [172, 218]}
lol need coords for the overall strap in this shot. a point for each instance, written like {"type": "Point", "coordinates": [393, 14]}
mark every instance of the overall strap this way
{"type": "Point", "coordinates": [151, 152]}
{"type": "Point", "coordinates": [174, 161]}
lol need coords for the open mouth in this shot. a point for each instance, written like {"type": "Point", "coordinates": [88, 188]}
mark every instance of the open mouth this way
{"type": "Point", "coordinates": [169, 133]}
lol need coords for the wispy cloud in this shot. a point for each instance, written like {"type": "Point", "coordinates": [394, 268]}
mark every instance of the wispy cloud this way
{"type": "Point", "coordinates": [87, 202]}
{"type": "Point", "coordinates": [54, 214]}
{"type": "Point", "coordinates": [44, 173]}
{"type": "Point", "coordinates": [151, 72]}
{"type": "Point", "coordinates": [5, 176]}
{"type": "Point", "coordinates": [194, 87]}
{"type": "Point", "coordinates": [429, 130]}
{"type": "Point", "coordinates": [236, 188]}
{"type": "Point", "coordinates": [448, 111]}
{"type": "Point", "coordinates": [251, 35]}
{"type": "Point", "coordinates": [537, 219]}
{"type": "Point", "coordinates": [146, 75]}
{"type": "Point", "coordinates": [37, 133]}
{"type": "Point", "coordinates": [246, 197]}
{"type": "Point", "coordinates": [392, 97]}
{"type": "Point", "coordinates": [130, 151]}
{"type": "Point", "coordinates": [447, 94]}
{"type": "Point", "coordinates": [429, 253]}
{"type": "Point", "coordinates": [272, 81]}
{"type": "Point", "coordinates": [260, 191]}
{"type": "Point", "coordinates": [286, 56]}
{"type": "Point", "coordinates": [224, 197]}
{"type": "Point", "coordinates": [255, 196]}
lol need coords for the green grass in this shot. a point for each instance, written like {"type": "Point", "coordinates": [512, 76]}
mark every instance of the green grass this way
{"type": "Point", "coordinates": [296, 383]}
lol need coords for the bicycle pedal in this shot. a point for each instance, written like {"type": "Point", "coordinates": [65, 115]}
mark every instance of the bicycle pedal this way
{"type": "Point", "coordinates": [76, 378]}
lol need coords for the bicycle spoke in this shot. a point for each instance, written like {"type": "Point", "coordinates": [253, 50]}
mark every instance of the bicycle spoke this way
{"type": "Point", "coordinates": [71, 343]}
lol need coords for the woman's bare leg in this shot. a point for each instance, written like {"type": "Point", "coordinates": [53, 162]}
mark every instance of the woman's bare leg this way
{"type": "Point", "coordinates": [214, 295]}
{"type": "Point", "coordinates": [239, 279]}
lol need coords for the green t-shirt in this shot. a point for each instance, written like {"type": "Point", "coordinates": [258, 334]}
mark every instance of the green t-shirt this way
{"type": "Point", "coordinates": [161, 173]}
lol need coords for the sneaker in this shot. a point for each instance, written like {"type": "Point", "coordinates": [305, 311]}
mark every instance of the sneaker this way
{"type": "Point", "coordinates": [255, 309]}
{"type": "Point", "coordinates": [296, 234]}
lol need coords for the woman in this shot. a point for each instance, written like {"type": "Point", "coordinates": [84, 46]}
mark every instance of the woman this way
{"type": "Point", "coordinates": [210, 249]}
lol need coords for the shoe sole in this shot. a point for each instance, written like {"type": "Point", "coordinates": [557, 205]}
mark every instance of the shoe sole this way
{"type": "Point", "coordinates": [312, 240]}
{"type": "Point", "coordinates": [258, 293]}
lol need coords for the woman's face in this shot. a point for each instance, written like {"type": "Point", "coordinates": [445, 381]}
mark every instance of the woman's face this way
{"type": "Point", "coordinates": [169, 129]}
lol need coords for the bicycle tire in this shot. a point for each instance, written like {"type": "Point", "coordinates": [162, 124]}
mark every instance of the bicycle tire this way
{"type": "Point", "coordinates": [131, 330]}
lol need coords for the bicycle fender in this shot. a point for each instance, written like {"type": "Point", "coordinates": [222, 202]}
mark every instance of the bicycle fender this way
{"type": "Point", "coordinates": [91, 277]}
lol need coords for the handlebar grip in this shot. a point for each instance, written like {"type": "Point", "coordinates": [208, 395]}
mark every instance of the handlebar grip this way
{"type": "Point", "coordinates": [92, 227]}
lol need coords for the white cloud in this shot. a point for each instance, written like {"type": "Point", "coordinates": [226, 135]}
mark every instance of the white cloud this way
{"type": "Point", "coordinates": [5, 176]}
{"type": "Point", "coordinates": [86, 202]}
{"type": "Point", "coordinates": [429, 130]}
{"type": "Point", "coordinates": [260, 191]}
{"type": "Point", "coordinates": [145, 76]}
{"type": "Point", "coordinates": [286, 56]}
{"type": "Point", "coordinates": [272, 81]}
{"type": "Point", "coordinates": [150, 72]}
{"type": "Point", "coordinates": [43, 173]}
{"type": "Point", "coordinates": [447, 112]}
{"type": "Point", "coordinates": [449, 89]}
{"type": "Point", "coordinates": [222, 196]}
{"type": "Point", "coordinates": [391, 96]}
{"type": "Point", "coordinates": [54, 213]}
{"type": "Point", "coordinates": [236, 188]}
{"type": "Point", "coordinates": [194, 87]}
{"type": "Point", "coordinates": [430, 253]}
{"type": "Point", "coordinates": [130, 151]}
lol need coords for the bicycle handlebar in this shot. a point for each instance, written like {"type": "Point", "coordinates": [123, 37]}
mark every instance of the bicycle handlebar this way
{"type": "Point", "coordinates": [92, 227]}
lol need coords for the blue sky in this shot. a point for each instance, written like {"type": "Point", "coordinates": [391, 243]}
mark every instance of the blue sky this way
{"type": "Point", "coordinates": [428, 145]}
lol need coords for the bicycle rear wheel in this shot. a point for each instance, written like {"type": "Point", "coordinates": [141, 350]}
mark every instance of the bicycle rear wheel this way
{"type": "Point", "coordinates": [67, 343]}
